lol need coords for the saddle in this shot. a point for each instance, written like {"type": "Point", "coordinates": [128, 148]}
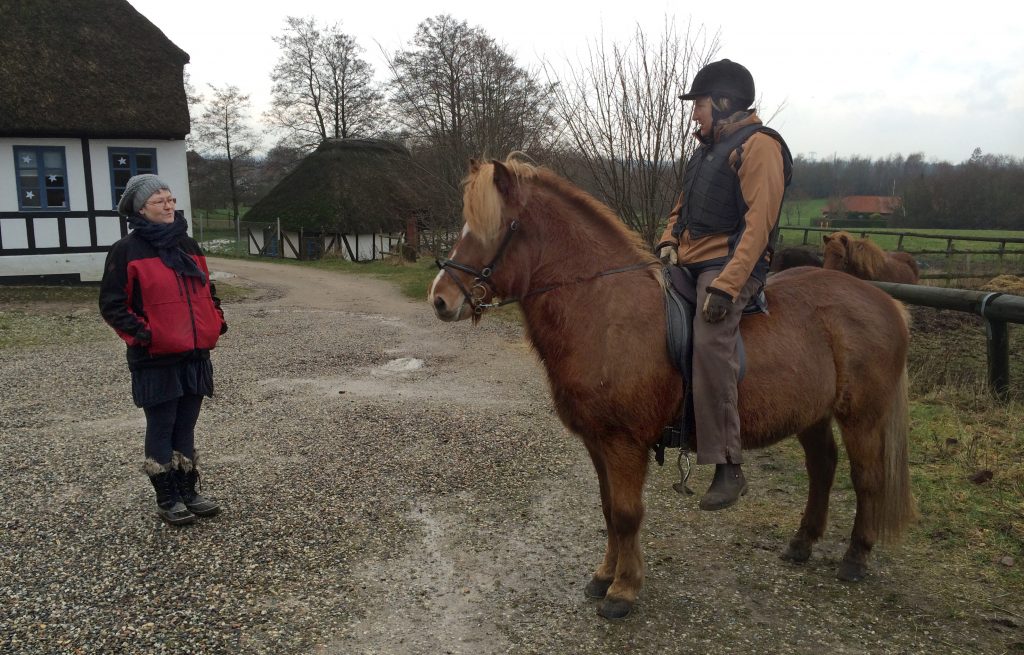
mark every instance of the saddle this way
{"type": "Point", "coordinates": [680, 310]}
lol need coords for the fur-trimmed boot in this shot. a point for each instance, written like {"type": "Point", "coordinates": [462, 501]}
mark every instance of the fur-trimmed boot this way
{"type": "Point", "coordinates": [186, 472]}
{"type": "Point", "coordinates": [168, 500]}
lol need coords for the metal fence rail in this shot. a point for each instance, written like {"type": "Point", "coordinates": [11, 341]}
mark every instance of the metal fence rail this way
{"type": "Point", "coordinates": [996, 309]}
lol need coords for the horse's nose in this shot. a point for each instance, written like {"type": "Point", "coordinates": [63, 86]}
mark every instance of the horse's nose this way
{"type": "Point", "coordinates": [439, 304]}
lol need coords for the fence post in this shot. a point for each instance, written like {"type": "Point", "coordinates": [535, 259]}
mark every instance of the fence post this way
{"type": "Point", "coordinates": [997, 338]}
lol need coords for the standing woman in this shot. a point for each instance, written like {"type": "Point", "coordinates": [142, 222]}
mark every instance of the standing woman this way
{"type": "Point", "coordinates": [157, 295]}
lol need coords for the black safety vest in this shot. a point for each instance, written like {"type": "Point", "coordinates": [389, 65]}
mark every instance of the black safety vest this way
{"type": "Point", "coordinates": [712, 200]}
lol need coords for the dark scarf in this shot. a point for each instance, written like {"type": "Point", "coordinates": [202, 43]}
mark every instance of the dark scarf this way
{"type": "Point", "coordinates": [165, 237]}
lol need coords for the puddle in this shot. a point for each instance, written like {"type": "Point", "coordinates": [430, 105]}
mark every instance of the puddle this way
{"type": "Point", "coordinates": [403, 365]}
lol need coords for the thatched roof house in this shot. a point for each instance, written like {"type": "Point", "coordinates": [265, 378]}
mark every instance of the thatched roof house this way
{"type": "Point", "coordinates": [91, 93]}
{"type": "Point", "coordinates": [88, 68]}
{"type": "Point", "coordinates": [358, 186]}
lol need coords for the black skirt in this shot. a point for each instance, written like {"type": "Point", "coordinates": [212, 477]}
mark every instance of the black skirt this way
{"type": "Point", "coordinates": [158, 384]}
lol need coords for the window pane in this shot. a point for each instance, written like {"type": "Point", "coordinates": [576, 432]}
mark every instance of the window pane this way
{"type": "Point", "coordinates": [144, 162]}
{"type": "Point", "coordinates": [55, 198]}
{"type": "Point", "coordinates": [26, 159]}
{"type": "Point", "coordinates": [121, 179]}
{"type": "Point", "coordinates": [53, 159]}
{"type": "Point", "coordinates": [30, 191]}
{"type": "Point", "coordinates": [55, 179]}
{"type": "Point", "coordinates": [29, 181]}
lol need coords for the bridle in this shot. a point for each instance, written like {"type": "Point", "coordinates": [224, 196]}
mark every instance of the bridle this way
{"type": "Point", "coordinates": [476, 293]}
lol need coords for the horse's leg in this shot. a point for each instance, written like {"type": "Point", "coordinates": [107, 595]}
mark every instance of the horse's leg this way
{"type": "Point", "coordinates": [864, 444]}
{"type": "Point", "coordinates": [605, 574]}
{"type": "Point", "coordinates": [820, 456]}
{"type": "Point", "coordinates": [626, 466]}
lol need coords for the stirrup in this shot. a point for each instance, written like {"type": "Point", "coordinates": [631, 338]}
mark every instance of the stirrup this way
{"type": "Point", "coordinates": [681, 486]}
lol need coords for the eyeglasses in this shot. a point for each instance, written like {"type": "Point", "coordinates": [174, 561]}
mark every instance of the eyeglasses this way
{"type": "Point", "coordinates": [162, 201]}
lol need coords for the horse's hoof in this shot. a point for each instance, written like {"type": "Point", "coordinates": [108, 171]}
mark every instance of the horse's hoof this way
{"type": "Point", "coordinates": [597, 588]}
{"type": "Point", "coordinates": [614, 608]}
{"type": "Point", "coordinates": [797, 552]}
{"type": "Point", "coordinates": [851, 571]}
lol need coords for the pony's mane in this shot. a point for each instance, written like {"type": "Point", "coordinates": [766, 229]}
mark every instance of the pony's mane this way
{"type": "Point", "coordinates": [863, 256]}
{"type": "Point", "coordinates": [482, 203]}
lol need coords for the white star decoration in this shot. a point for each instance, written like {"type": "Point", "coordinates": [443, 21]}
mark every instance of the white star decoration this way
{"type": "Point", "coordinates": [30, 195]}
{"type": "Point", "coordinates": [27, 159]}
{"type": "Point", "coordinates": [52, 178]}
{"type": "Point", "coordinates": [122, 161]}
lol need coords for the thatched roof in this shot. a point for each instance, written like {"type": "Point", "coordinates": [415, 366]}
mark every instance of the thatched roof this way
{"type": "Point", "coordinates": [357, 185]}
{"type": "Point", "coordinates": [88, 68]}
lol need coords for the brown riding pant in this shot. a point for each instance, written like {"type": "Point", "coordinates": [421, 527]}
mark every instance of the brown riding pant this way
{"type": "Point", "coordinates": [716, 369]}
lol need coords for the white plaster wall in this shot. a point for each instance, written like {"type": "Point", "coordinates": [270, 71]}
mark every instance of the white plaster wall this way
{"type": "Point", "coordinates": [171, 166]}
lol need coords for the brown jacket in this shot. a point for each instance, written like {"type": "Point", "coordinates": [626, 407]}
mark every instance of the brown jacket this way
{"type": "Point", "coordinates": [762, 184]}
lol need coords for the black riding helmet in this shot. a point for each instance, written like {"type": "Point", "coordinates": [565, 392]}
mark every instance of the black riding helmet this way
{"type": "Point", "coordinates": [723, 78]}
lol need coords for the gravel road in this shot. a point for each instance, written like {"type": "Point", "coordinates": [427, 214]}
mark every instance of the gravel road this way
{"type": "Point", "coordinates": [393, 484]}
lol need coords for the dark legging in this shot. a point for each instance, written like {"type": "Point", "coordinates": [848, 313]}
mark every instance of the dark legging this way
{"type": "Point", "coordinates": [170, 426]}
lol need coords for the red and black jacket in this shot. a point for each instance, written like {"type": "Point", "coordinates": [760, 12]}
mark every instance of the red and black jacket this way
{"type": "Point", "coordinates": [140, 295]}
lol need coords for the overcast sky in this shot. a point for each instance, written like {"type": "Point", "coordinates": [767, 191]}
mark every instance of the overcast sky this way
{"type": "Point", "coordinates": [867, 77]}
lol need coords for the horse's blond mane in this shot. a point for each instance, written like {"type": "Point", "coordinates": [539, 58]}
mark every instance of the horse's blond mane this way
{"type": "Point", "coordinates": [482, 203]}
{"type": "Point", "coordinates": [863, 256]}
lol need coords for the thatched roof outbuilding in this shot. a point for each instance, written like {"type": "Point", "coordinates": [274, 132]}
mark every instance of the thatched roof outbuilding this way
{"type": "Point", "coordinates": [88, 68]}
{"type": "Point", "coordinates": [359, 186]}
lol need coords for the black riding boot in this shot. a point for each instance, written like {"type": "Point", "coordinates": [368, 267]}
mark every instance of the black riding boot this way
{"type": "Point", "coordinates": [186, 473]}
{"type": "Point", "coordinates": [726, 488]}
{"type": "Point", "coordinates": [168, 499]}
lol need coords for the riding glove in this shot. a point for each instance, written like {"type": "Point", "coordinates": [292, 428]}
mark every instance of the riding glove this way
{"type": "Point", "coordinates": [716, 305]}
{"type": "Point", "coordinates": [667, 254]}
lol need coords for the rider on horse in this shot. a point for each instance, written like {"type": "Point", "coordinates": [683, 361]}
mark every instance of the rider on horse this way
{"type": "Point", "coordinates": [722, 231]}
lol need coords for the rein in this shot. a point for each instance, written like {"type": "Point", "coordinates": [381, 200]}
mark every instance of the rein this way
{"type": "Point", "coordinates": [475, 294]}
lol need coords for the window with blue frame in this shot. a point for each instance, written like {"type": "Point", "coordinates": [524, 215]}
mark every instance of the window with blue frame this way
{"type": "Point", "coordinates": [126, 163]}
{"type": "Point", "coordinates": [42, 178]}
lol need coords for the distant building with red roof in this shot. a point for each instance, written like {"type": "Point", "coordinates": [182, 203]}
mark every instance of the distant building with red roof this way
{"type": "Point", "coordinates": [862, 206]}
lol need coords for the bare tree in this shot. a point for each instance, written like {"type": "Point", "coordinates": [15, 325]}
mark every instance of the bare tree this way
{"type": "Point", "coordinates": [459, 94]}
{"type": "Point", "coordinates": [223, 130]}
{"type": "Point", "coordinates": [623, 119]}
{"type": "Point", "coordinates": [195, 106]}
{"type": "Point", "coordinates": [322, 88]}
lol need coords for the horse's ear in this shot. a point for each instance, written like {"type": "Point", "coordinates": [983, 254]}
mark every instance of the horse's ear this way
{"type": "Point", "coordinates": [825, 238]}
{"type": "Point", "coordinates": [842, 237]}
{"type": "Point", "coordinates": [474, 165]}
{"type": "Point", "coordinates": [504, 182]}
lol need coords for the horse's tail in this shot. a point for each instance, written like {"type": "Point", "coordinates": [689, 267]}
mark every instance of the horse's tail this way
{"type": "Point", "coordinates": [897, 507]}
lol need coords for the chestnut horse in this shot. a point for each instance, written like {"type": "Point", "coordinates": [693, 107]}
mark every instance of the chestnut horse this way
{"type": "Point", "coordinates": [832, 347]}
{"type": "Point", "coordinates": [864, 259]}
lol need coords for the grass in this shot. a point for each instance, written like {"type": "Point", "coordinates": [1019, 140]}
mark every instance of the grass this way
{"type": "Point", "coordinates": [40, 315]}
{"type": "Point", "coordinates": [19, 295]}
{"type": "Point", "coordinates": [801, 212]}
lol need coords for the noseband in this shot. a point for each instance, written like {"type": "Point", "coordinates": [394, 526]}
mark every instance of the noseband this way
{"type": "Point", "coordinates": [476, 293]}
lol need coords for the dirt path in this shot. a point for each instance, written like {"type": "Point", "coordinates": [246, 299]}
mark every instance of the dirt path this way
{"type": "Point", "coordinates": [393, 484]}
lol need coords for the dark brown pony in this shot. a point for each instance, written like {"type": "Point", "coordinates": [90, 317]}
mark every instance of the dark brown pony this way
{"type": "Point", "coordinates": [832, 347]}
{"type": "Point", "coordinates": [864, 259]}
{"type": "Point", "coordinates": [793, 257]}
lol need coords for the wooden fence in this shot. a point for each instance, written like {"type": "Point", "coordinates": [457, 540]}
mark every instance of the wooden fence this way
{"type": "Point", "coordinates": [996, 309]}
{"type": "Point", "coordinates": [949, 251]}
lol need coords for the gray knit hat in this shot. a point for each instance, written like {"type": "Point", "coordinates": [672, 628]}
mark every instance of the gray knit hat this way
{"type": "Point", "coordinates": [138, 191]}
